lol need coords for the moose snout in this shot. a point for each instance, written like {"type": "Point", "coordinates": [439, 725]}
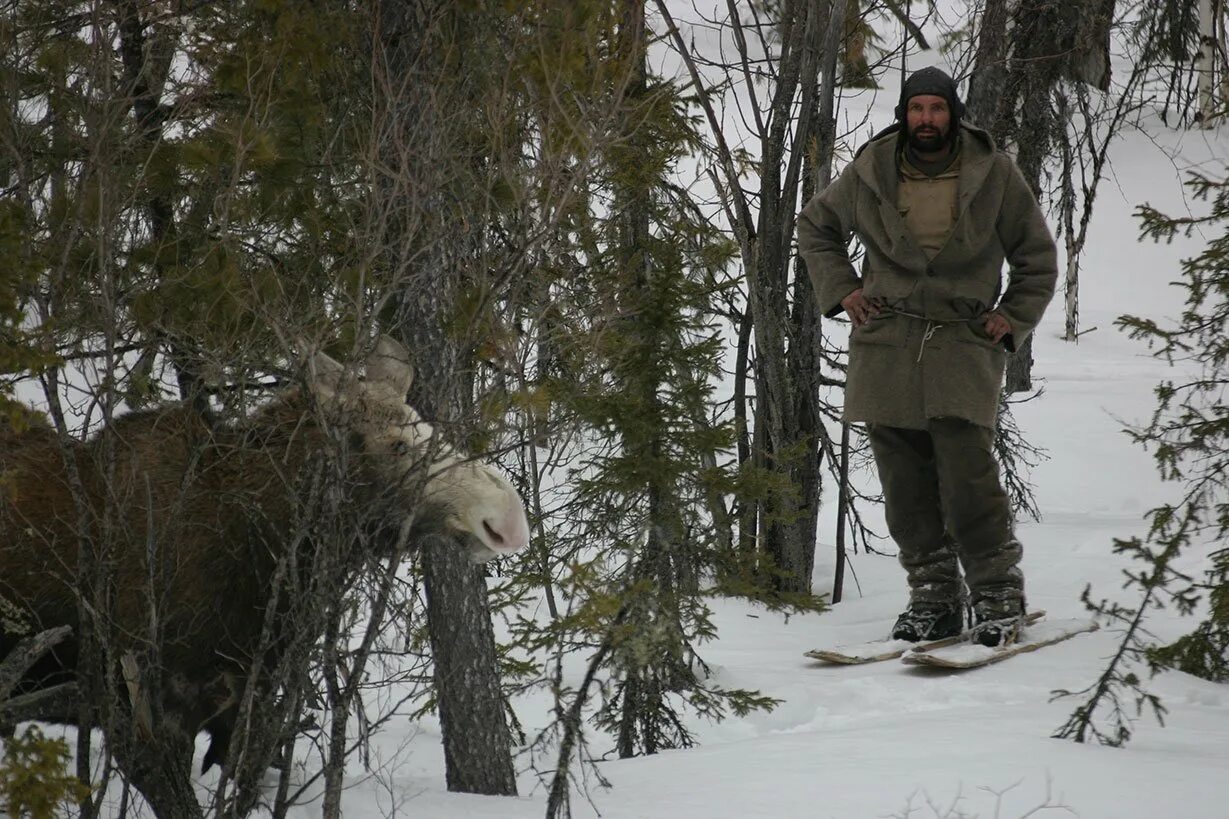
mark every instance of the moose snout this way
{"type": "Point", "coordinates": [508, 532]}
{"type": "Point", "coordinates": [488, 507]}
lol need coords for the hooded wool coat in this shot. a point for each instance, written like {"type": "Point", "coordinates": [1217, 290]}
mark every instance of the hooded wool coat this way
{"type": "Point", "coordinates": [926, 354]}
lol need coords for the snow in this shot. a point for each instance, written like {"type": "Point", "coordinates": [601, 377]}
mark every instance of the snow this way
{"type": "Point", "coordinates": [884, 739]}
{"type": "Point", "coordinates": [889, 740]}
{"type": "Point", "coordinates": [1034, 637]}
{"type": "Point", "coordinates": [865, 652]}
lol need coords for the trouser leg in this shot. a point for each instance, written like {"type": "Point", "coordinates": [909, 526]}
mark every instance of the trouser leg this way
{"type": "Point", "coordinates": [978, 513]}
{"type": "Point", "coordinates": [906, 462]}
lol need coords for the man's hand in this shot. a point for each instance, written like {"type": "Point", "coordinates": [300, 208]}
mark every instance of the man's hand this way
{"type": "Point", "coordinates": [997, 326]}
{"type": "Point", "coordinates": [858, 308]}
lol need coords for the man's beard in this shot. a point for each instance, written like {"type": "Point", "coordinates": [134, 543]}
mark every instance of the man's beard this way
{"type": "Point", "coordinates": [928, 141]}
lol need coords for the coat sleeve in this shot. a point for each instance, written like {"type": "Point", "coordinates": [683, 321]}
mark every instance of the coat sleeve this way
{"type": "Point", "coordinates": [824, 228]}
{"type": "Point", "coordinates": [1031, 257]}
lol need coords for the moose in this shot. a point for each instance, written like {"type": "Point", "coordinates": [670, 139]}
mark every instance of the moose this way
{"type": "Point", "coordinates": [190, 524]}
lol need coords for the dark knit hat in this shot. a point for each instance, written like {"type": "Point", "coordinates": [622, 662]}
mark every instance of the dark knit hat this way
{"type": "Point", "coordinates": [930, 81]}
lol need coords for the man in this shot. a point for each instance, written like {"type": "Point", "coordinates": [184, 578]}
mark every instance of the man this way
{"type": "Point", "coordinates": [937, 210]}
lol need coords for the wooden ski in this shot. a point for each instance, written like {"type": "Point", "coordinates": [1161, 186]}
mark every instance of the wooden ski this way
{"type": "Point", "coordinates": [877, 651]}
{"type": "Point", "coordinates": [971, 655]}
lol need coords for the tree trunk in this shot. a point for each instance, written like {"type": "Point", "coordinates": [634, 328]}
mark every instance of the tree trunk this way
{"type": "Point", "coordinates": [90, 601]}
{"type": "Point", "coordinates": [1020, 368]}
{"type": "Point", "coordinates": [1218, 29]}
{"type": "Point", "coordinates": [748, 457]}
{"type": "Point", "coordinates": [787, 520]}
{"type": "Point", "coordinates": [477, 745]}
{"type": "Point", "coordinates": [1071, 296]}
{"type": "Point", "coordinates": [1205, 64]}
{"type": "Point", "coordinates": [161, 769]}
{"type": "Point", "coordinates": [25, 654]}
{"type": "Point", "coordinates": [1090, 58]}
{"type": "Point", "coordinates": [1066, 204]}
{"type": "Point", "coordinates": [804, 360]}
{"type": "Point", "coordinates": [785, 540]}
{"type": "Point", "coordinates": [984, 101]}
{"type": "Point", "coordinates": [1038, 64]}
{"type": "Point", "coordinates": [838, 575]}
{"type": "Point", "coordinates": [434, 217]}
{"type": "Point", "coordinates": [855, 70]}
{"type": "Point", "coordinates": [819, 178]}
{"type": "Point", "coordinates": [806, 347]}
{"type": "Point", "coordinates": [661, 560]}
{"type": "Point", "coordinates": [989, 106]}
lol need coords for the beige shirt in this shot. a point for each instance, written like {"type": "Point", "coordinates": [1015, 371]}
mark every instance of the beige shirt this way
{"type": "Point", "coordinates": [928, 204]}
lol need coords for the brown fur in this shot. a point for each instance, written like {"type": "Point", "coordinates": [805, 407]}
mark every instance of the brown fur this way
{"type": "Point", "coordinates": [213, 507]}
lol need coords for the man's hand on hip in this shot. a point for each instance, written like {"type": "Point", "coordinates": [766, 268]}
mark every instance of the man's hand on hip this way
{"type": "Point", "coordinates": [997, 325]}
{"type": "Point", "coordinates": [859, 308]}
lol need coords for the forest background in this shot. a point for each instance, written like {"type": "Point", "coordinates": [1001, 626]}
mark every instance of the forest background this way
{"type": "Point", "coordinates": [578, 215]}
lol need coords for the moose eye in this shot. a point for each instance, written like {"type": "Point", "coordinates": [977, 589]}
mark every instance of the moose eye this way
{"type": "Point", "coordinates": [400, 448]}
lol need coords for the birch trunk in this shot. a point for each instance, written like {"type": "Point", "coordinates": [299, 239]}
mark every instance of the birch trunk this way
{"type": "Point", "coordinates": [1205, 64]}
{"type": "Point", "coordinates": [1071, 293]}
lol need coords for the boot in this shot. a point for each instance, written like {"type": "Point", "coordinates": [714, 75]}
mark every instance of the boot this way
{"type": "Point", "coordinates": [929, 621]}
{"type": "Point", "coordinates": [997, 623]}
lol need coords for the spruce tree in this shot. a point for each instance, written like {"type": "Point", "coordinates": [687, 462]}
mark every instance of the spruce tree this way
{"type": "Point", "coordinates": [1188, 435]}
{"type": "Point", "coordinates": [638, 351]}
{"type": "Point", "coordinates": [1189, 432]}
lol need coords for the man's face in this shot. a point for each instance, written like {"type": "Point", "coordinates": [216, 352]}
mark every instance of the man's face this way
{"type": "Point", "coordinates": [928, 120]}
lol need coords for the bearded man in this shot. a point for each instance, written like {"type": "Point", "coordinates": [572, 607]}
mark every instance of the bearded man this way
{"type": "Point", "coordinates": [937, 210]}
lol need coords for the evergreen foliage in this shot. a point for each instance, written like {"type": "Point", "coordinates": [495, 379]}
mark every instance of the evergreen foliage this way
{"type": "Point", "coordinates": [625, 349]}
{"type": "Point", "coordinates": [167, 173]}
{"type": "Point", "coordinates": [1189, 432]}
{"type": "Point", "coordinates": [190, 193]}
{"type": "Point", "coordinates": [1165, 45]}
{"type": "Point", "coordinates": [649, 363]}
{"type": "Point", "coordinates": [33, 777]}
{"type": "Point", "coordinates": [856, 71]}
{"type": "Point", "coordinates": [182, 211]}
{"type": "Point", "coordinates": [1189, 437]}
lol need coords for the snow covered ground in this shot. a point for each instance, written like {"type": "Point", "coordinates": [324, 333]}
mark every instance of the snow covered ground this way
{"type": "Point", "coordinates": [887, 740]}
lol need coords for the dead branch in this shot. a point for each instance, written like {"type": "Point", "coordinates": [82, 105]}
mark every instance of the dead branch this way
{"type": "Point", "coordinates": [25, 655]}
{"type": "Point", "coordinates": [56, 704]}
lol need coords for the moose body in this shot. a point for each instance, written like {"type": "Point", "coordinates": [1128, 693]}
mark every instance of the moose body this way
{"type": "Point", "coordinates": [187, 525]}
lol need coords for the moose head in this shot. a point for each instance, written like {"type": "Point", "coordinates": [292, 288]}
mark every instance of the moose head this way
{"type": "Point", "coordinates": [443, 485]}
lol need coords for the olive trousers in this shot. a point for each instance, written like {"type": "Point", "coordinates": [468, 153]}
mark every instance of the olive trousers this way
{"type": "Point", "coordinates": [946, 508]}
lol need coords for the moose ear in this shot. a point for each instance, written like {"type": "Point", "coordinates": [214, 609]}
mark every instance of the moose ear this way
{"type": "Point", "coordinates": [389, 365]}
{"type": "Point", "coordinates": [324, 375]}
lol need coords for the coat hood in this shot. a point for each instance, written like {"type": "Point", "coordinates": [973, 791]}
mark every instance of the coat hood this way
{"type": "Point", "coordinates": [876, 159]}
